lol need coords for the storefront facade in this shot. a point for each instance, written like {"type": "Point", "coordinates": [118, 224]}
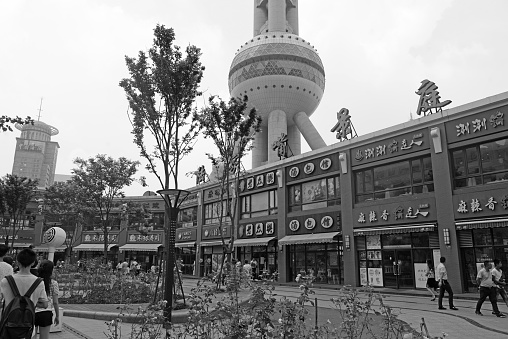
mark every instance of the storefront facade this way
{"type": "Point", "coordinates": [144, 248]}
{"type": "Point", "coordinates": [92, 246]}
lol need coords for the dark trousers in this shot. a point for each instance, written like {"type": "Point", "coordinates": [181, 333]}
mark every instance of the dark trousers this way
{"type": "Point", "coordinates": [445, 286]}
{"type": "Point", "coordinates": [490, 292]}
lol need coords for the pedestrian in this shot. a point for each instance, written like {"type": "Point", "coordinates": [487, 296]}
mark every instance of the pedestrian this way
{"type": "Point", "coordinates": [442, 278]}
{"type": "Point", "coordinates": [5, 268]}
{"type": "Point", "coordinates": [487, 288]}
{"type": "Point", "coordinates": [497, 275]}
{"type": "Point", "coordinates": [24, 280]}
{"type": "Point", "coordinates": [247, 269]}
{"type": "Point", "coordinates": [431, 279]}
{"type": "Point", "coordinates": [44, 317]}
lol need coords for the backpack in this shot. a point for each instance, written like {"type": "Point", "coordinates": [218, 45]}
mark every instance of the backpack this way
{"type": "Point", "coordinates": [19, 316]}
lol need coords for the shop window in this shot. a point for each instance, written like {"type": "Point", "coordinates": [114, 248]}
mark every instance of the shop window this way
{"type": "Point", "coordinates": [259, 204]}
{"type": "Point", "coordinates": [481, 164]}
{"type": "Point", "coordinates": [394, 180]}
{"type": "Point", "coordinates": [420, 239]}
{"type": "Point", "coordinates": [501, 236]}
{"type": "Point", "coordinates": [214, 210]}
{"type": "Point", "coordinates": [396, 239]}
{"type": "Point", "coordinates": [188, 217]}
{"type": "Point", "coordinates": [482, 237]}
{"type": "Point", "coordinates": [314, 194]}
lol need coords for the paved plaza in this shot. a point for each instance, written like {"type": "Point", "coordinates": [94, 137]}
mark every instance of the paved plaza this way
{"type": "Point", "coordinates": [411, 306]}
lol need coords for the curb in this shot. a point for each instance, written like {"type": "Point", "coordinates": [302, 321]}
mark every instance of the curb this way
{"type": "Point", "coordinates": [177, 317]}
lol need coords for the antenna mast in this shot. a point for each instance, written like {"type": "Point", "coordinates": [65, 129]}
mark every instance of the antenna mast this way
{"type": "Point", "coordinates": [40, 110]}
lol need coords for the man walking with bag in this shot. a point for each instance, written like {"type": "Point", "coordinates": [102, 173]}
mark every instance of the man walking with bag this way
{"type": "Point", "coordinates": [442, 278]}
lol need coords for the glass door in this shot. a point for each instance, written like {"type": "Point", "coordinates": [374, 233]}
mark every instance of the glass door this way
{"type": "Point", "coordinates": [398, 268]}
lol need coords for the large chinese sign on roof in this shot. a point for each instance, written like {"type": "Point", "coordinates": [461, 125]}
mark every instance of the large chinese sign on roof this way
{"type": "Point", "coordinates": [473, 126]}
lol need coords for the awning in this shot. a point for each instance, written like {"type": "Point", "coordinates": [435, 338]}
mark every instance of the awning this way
{"type": "Point", "coordinates": [253, 242]}
{"type": "Point", "coordinates": [394, 229]}
{"type": "Point", "coordinates": [140, 247]}
{"type": "Point", "coordinates": [45, 249]}
{"type": "Point", "coordinates": [214, 243]}
{"type": "Point", "coordinates": [92, 247]}
{"type": "Point", "coordinates": [185, 244]}
{"type": "Point", "coordinates": [469, 225]}
{"type": "Point", "coordinates": [318, 238]}
{"type": "Point", "coordinates": [21, 245]}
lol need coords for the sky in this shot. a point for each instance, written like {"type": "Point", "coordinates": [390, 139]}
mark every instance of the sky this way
{"type": "Point", "coordinates": [375, 53]}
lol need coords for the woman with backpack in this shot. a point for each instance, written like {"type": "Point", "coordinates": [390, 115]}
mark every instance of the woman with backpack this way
{"type": "Point", "coordinates": [44, 316]}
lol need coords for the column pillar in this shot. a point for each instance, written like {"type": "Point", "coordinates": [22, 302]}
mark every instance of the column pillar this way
{"type": "Point", "coordinates": [294, 140]}
{"type": "Point", "coordinates": [308, 131]}
{"type": "Point", "coordinates": [260, 17]}
{"type": "Point", "coordinates": [277, 125]}
{"type": "Point", "coordinates": [443, 188]}
{"type": "Point", "coordinates": [292, 16]}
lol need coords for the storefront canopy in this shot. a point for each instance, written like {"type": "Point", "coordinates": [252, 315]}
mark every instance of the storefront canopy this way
{"type": "Point", "coordinates": [469, 225]}
{"type": "Point", "coordinates": [20, 245]}
{"type": "Point", "coordinates": [140, 247]}
{"type": "Point", "coordinates": [185, 244]}
{"type": "Point", "coordinates": [214, 243]}
{"type": "Point", "coordinates": [45, 249]}
{"type": "Point", "coordinates": [92, 247]}
{"type": "Point", "coordinates": [317, 238]}
{"type": "Point", "coordinates": [253, 242]}
{"type": "Point", "coordinates": [394, 229]}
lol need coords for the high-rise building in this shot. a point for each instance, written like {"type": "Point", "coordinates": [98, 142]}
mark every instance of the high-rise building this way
{"type": "Point", "coordinates": [283, 77]}
{"type": "Point", "coordinates": [35, 156]}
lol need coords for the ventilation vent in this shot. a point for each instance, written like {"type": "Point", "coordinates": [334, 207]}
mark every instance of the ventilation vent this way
{"type": "Point", "coordinates": [360, 243]}
{"type": "Point", "coordinates": [433, 240]}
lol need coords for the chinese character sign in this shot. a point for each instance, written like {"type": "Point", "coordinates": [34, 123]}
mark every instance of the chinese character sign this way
{"type": "Point", "coordinates": [281, 146]}
{"type": "Point", "coordinates": [429, 98]}
{"type": "Point", "coordinates": [344, 128]}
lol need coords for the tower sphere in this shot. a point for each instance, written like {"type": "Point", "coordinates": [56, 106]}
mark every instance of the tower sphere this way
{"type": "Point", "coordinates": [278, 71]}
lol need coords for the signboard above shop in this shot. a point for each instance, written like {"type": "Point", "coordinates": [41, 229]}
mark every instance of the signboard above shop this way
{"type": "Point", "coordinates": [392, 147]}
{"type": "Point", "coordinates": [477, 125]}
{"type": "Point", "coordinates": [313, 167]}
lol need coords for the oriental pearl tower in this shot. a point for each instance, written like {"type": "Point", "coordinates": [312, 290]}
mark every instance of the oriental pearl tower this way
{"type": "Point", "coordinates": [283, 77]}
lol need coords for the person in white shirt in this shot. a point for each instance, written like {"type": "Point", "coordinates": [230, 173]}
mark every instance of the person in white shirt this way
{"type": "Point", "coordinates": [5, 268]}
{"type": "Point", "coordinates": [487, 288]}
{"type": "Point", "coordinates": [24, 280]}
{"type": "Point", "coordinates": [497, 275]}
{"type": "Point", "coordinates": [44, 316]}
{"type": "Point", "coordinates": [442, 278]}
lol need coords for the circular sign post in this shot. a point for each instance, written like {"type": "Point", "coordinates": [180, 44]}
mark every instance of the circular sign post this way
{"type": "Point", "coordinates": [53, 238]}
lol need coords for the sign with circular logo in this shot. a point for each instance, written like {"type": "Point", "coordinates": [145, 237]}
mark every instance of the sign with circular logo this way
{"type": "Point", "coordinates": [54, 237]}
{"type": "Point", "coordinates": [310, 223]}
{"type": "Point", "coordinates": [293, 172]}
{"type": "Point", "coordinates": [308, 168]}
{"type": "Point", "coordinates": [325, 164]}
{"type": "Point", "coordinates": [327, 221]}
{"type": "Point", "coordinates": [294, 225]}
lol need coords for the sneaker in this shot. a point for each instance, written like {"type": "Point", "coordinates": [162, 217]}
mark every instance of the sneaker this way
{"type": "Point", "coordinates": [453, 308]}
{"type": "Point", "coordinates": [442, 308]}
{"type": "Point", "coordinates": [478, 313]}
{"type": "Point", "coordinates": [500, 315]}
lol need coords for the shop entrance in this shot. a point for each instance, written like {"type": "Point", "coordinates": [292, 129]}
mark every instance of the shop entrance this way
{"type": "Point", "coordinates": [398, 268]}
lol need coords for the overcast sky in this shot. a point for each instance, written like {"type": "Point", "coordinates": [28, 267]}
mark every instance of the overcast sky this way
{"type": "Point", "coordinates": [375, 55]}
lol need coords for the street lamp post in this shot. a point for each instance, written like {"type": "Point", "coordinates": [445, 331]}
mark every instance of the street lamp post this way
{"type": "Point", "coordinates": [173, 198]}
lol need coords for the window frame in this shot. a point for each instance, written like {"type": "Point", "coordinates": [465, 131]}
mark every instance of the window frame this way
{"type": "Point", "coordinates": [299, 205]}
{"type": "Point", "coordinates": [246, 211]}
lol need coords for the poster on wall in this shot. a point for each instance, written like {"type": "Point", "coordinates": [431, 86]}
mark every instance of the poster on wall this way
{"type": "Point", "coordinates": [420, 277]}
{"type": "Point", "coordinates": [375, 276]}
{"type": "Point", "coordinates": [363, 277]}
{"type": "Point", "coordinates": [373, 242]}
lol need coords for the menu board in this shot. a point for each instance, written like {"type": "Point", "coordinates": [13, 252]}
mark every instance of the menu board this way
{"type": "Point", "coordinates": [375, 276]}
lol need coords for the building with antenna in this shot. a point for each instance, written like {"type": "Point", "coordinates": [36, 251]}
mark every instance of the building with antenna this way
{"type": "Point", "coordinates": [35, 155]}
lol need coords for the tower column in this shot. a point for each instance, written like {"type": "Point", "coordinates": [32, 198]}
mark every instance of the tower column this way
{"type": "Point", "coordinates": [260, 17]}
{"type": "Point", "coordinates": [260, 145]}
{"type": "Point", "coordinates": [294, 140]}
{"type": "Point", "coordinates": [277, 125]}
{"type": "Point", "coordinates": [308, 131]}
{"type": "Point", "coordinates": [276, 15]}
{"type": "Point", "coordinates": [292, 16]}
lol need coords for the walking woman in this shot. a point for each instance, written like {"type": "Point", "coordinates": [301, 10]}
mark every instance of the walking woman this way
{"type": "Point", "coordinates": [431, 279]}
{"type": "Point", "coordinates": [44, 316]}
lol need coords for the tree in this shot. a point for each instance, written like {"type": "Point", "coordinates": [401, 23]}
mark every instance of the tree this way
{"type": "Point", "coordinates": [15, 194]}
{"type": "Point", "coordinates": [101, 180]}
{"type": "Point", "coordinates": [232, 130]}
{"type": "Point", "coordinates": [64, 204]}
{"type": "Point", "coordinates": [6, 121]}
{"type": "Point", "coordinates": [161, 92]}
